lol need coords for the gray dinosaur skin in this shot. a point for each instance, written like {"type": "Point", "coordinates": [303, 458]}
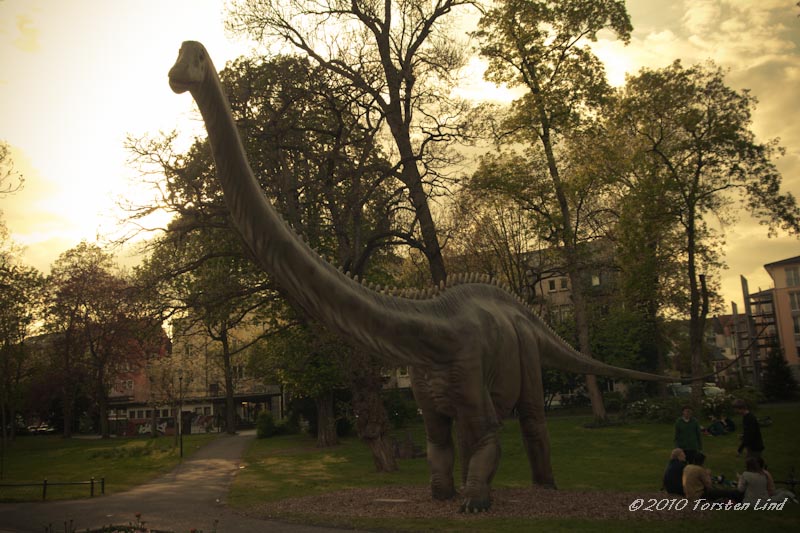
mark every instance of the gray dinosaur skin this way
{"type": "Point", "coordinates": [476, 349]}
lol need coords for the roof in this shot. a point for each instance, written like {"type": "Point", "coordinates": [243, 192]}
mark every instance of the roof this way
{"type": "Point", "coordinates": [782, 262]}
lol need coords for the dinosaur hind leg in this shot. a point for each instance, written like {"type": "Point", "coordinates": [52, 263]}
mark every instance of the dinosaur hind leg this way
{"type": "Point", "coordinates": [480, 448]}
{"type": "Point", "coordinates": [439, 432]}
{"type": "Point", "coordinates": [532, 422]}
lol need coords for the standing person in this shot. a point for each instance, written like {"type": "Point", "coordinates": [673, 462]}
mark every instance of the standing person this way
{"type": "Point", "coordinates": [673, 475]}
{"type": "Point", "coordinates": [751, 438]}
{"type": "Point", "coordinates": [688, 435]}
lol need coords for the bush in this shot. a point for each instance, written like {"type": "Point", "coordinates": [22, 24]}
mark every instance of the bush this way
{"type": "Point", "coordinates": [265, 425]}
{"type": "Point", "coordinates": [655, 409]}
{"type": "Point", "coordinates": [613, 401]}
{"type": "Point", "coordinates": [400, 407]}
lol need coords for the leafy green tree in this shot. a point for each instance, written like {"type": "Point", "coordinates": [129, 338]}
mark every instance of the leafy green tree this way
{"type": "Point", "coordinates": [778, 382]}
{"type": "Point", "coordinates": [694, 134]}
{"type": "Point", "coordinates": [309, 365]}
{"type": "Point", "coordinates": [541, 46]}
{"type": "Point", "coordinates": [21, 290]}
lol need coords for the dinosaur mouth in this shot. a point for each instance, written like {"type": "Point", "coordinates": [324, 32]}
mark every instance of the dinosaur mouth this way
{"type": "Point", "coordinates": [179, 86]}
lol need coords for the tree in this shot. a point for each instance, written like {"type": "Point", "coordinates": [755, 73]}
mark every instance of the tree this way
{"type": "Point", "coordinates": [778, 382]}
{"type": "Point", "coordinates": [315, 152]}
{"type": "Point", "coordinates": [10, 180]}
{"type": "Point", "coordinates": [694, 132]}
{"type": "Point", "coordinates": [542, 46]}
{"type": "Point", "coordinates": [399, 56]}
{"type": "Point", "coordinates": [21, 289]}
{"type": "Point", "coordinates": [94, 317]}
{"type": "Point", "coordinates": [309, 365]}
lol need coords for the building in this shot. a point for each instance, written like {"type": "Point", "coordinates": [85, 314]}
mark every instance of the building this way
{"type": "Point", "coordinates": [785, 276]}
{"type": "Point", "coordinates": [189, 380]}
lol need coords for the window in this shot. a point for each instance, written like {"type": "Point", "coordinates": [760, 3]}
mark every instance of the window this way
{"type": "Point", "coordinates": [796, 322]}
{"type": "Point", "coordinates": [131, 414]}
{"type": "Point", "coordinates": [164, 413]}
{"type": "Point", "coordinates": [793, 277]}
{"type": "Point", "coordinates": [140, 413]}
{"type": "Point", "coordinates": [148, 413]}
{"type": "Point", "coordinates": [794, 301]}
{"type": "Point", "coordinates": [551, 285]}
{"type": "Point", "coordinates": [595, 280]}
{"type": "Point", "coordinates": [206, 411]}
{"type": "Point", "coordinates": [563, 284]}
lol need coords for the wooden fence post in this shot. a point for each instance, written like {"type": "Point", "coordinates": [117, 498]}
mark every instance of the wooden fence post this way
{"type": "Point", "coordinates": [44, 489]}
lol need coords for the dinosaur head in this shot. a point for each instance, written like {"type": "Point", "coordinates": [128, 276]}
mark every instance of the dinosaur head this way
{"type": "Point", "coordinates": [190, 68]}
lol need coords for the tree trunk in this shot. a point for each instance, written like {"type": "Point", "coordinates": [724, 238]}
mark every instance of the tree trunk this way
{"type": "Point", "coordinates": [582, 325]}
{"type": "Point", "coordinates": [698, 309]}
{"type": "Point", "coordinates": [154, 421]}
{"type": "Point", "coordinates": [326, 421]}
{"type": "Point", "coordinates": [419, 199]}
{"type": "Point", "coordinates": [102, 407]}
{"type": "Point", "coordinates": [230, 408]}
{"type": "Point", "coordinates": [372, 423]}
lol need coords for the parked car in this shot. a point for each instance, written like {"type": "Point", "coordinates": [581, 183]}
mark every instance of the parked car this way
{"type": "Point", "coordinates": [679, 390]}
{"type": "Point", "coordinates": [41, 429]}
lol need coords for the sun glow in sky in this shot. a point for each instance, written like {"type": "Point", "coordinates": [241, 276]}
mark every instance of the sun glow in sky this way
{"type": "Point", "coordinates": [78, 76]}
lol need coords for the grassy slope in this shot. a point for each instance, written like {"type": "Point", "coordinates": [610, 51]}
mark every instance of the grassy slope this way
{"type": "Point", "coordinates": [123, 462]}
{"type": "Point", "coordinates": [622, 458]}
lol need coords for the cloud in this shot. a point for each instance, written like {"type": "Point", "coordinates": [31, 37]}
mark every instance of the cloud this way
{"type": "Point", "coordinates": [28, 38]}
{"type": "Point", "coordinates": [701, 16]}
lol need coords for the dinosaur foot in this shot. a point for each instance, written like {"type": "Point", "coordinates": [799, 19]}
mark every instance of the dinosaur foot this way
{"type": "Point", "coordinates": [475, 505]}
{"type": "Point", "coordinates": [443, 493]}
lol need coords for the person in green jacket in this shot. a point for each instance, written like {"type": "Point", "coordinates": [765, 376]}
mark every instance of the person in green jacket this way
{"type": "Point", "coordinates": [688, 434]}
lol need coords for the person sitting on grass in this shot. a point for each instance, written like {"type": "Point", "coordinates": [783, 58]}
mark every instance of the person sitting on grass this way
{"type": "Point", "coordinates": [755, 483]}
{"type": "Point", "coordinates": [729, 424]}
{"type": "Point", "coordinates": [673, 475]}
{"type": "Point", "coordinates": [697, 483]}
{"type": "Point", "coordinates": [715, 428]}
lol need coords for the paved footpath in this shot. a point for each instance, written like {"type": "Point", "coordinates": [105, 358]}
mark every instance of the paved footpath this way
{"type": "Point", "coordinates": [191, 496]}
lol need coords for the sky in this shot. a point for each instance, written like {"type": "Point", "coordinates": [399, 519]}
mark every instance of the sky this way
{"type": "Point", "coordinates": [78, 76]}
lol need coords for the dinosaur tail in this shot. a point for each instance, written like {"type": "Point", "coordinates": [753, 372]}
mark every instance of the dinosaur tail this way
{"type": "Point", "coordinates": [557, 353]}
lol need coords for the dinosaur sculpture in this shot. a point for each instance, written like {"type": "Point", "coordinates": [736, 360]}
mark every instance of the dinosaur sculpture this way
{"type": "Point", "coordinates": [476, 350]}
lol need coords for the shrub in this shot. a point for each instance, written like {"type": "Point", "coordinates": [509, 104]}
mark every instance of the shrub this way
{"type": "Point", "coordinates": [400, 407]}
{"type": "Point", "coordinates": [750, 395]}
{"type": "Point", "coordinates": [613, 401]}
{"type": "Point", "coordinates": [655, 409]}
{"type": "Point", "coordinates": [265, 425]}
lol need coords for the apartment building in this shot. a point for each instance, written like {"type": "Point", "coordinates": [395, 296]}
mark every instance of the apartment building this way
{"type": "Point", "coordinates": [785, 276]}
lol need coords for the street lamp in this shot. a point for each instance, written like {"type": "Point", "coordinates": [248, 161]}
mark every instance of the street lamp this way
{"type": "Point", "coordinates": [180, 409]}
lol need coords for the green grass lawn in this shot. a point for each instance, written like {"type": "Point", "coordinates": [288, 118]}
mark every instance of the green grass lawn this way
{"type": "Point", "coordinates": [628, 458]}
{"type": "Point", "coordinates": [123, 462]}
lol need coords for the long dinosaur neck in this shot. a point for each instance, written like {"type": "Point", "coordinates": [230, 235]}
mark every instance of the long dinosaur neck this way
{"type": "Point", "coordinates": [315, 285]}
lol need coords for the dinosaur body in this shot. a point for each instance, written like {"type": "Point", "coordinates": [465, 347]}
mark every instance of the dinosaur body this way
{"type": "Point", "coordinates": [475, 349]}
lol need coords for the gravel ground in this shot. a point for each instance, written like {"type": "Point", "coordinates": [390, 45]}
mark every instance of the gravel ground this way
{"type": "Point", "coordinates": [416, 502]}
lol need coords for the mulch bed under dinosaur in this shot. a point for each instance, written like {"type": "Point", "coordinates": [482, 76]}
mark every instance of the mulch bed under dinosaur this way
{"type": "Point", "coordinates": [416, 502]}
